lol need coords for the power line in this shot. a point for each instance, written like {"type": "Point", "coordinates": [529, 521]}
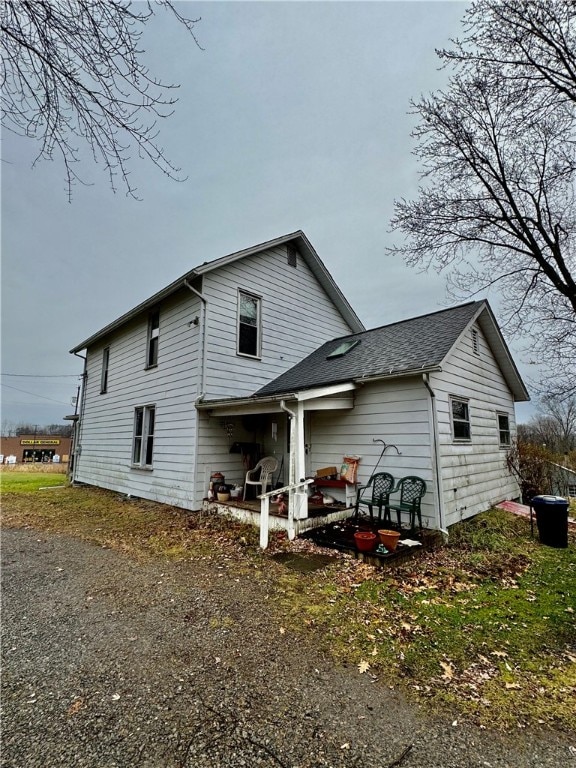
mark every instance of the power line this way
{"type": "Point", "coordinates": [43, 375]}
{"type": "Point", "coordinates": [24, 392]}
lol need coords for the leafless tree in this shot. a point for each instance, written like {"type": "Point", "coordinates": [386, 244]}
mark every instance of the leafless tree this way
{"type": "Point", "coordinates": [554, 426]}
{"type": "Point", "coordinates": [72, 73]}
{"type": "Point", "coordinates": [497, 208]}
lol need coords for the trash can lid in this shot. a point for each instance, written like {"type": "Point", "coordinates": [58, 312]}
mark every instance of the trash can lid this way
{"type": "Point", "coordinates": [548, 499]}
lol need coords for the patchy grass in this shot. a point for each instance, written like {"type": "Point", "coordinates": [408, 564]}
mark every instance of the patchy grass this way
{"type": "Point", "coordinates": [25, 482]}
{"type": "Point", "coordinates": [483, 626]}
{"type": "Point", "coordinates": [140, 528]}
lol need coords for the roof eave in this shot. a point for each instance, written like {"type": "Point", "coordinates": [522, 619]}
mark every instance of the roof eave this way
{"type": "Point", "coordinates": [138, 310]}
{"type": "Point", "coordinates": [312, 259]}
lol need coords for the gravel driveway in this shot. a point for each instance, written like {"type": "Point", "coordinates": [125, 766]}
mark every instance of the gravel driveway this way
{"type": "Point", "coordinates": [107, 662]}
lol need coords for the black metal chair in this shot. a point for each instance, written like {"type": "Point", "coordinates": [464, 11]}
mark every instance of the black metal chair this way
{"type": "Point", "coordinates": [375, 494]}
{"type": "Point", "coordinates": [412, 490]}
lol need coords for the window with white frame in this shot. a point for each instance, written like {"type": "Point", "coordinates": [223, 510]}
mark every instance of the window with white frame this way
{"type": "Point", "coordinates": [104, 373]}
{"type": "Point", "coordinates": [249, 312]}
{"type": "Point", "coordinates": [153, 338]}
{"type": "Point", "coordinates": [460, 414]}
{"type": "Point", "coordinates": [143, 443]}
{"type": "Point", "coordinates": [504, 430]}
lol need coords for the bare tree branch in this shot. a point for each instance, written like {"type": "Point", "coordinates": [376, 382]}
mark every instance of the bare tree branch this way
{"type": "Point", "coordinates": [497, 148]}
{"type": "Point", "coordinates": [72, 74]}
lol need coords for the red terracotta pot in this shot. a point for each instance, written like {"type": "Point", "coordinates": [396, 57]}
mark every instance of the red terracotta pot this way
{"type": "Point", "coordinates": [365, 541]}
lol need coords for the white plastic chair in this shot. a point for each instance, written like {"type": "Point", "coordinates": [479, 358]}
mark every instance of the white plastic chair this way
{"type": "Point", "coordinates": [263, 471]}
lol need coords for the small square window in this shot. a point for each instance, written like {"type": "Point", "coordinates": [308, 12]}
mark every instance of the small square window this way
{"type": "Point", "coordinates": [504, 430]}
{"type": "Point", "coordinates": [153, 337]}
{"type": "Point", "coordinates": [143, 441]}
{"type": "Point", "coordinates": [460, 419]}
{"type": "Point", "coordinates": [104, 373]}
{"type": "Point", "coordinates": [249, 310]}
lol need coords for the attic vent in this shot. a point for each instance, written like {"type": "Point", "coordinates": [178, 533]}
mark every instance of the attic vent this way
{"type": "Point", "coordinates": [475, 344]}
{"type": "Point", "coordinates": [343, 349]}
{"type": "Point", "coordinates": [292, 255]}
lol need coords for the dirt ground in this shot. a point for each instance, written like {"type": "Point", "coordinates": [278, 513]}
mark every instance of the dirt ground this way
{"type": "Point", "coordinates": [110, 662]}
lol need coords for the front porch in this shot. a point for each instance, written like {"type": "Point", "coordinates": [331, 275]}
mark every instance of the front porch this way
{"type": "Point", "coordinates": [249, 511]}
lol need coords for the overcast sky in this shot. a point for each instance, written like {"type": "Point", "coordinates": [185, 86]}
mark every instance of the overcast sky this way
{"type": "Point", "coordinates": [294, 116]}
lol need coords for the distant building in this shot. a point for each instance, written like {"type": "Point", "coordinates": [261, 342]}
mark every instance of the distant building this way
{"type": "Point", "coordinates": [36, 448]}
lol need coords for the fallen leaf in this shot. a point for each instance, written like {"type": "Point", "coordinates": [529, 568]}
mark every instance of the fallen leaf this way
{"type": "Point", "coordinates": [448, 670]}
{"type": "Point", "coordinates": [512, 685]}
{"type": "Point", "coordinates": [282, 630]}
{"type": "Point", "coordinates": [364, 666]}
{"type": "Point", "coordinates": [75, 707]}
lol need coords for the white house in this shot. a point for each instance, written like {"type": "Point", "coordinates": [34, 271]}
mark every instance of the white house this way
{"type": "Point", "coordinates": [259, 353]}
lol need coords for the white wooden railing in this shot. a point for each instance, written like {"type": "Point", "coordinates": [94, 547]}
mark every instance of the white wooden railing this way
{"type": "Point", "coordinates": [297, 498]}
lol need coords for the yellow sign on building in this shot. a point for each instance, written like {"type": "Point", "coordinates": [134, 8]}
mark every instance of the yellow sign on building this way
{"type": "Point", "coordinates": [39, 442]}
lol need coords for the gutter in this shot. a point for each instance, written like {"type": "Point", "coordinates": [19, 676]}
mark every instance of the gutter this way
{"type": "Point", "coordinates": [436, 455]}
{"type": "Point", "coordinates": [241, 401]}
{"type": "Point", "coordinates": [393, 374]}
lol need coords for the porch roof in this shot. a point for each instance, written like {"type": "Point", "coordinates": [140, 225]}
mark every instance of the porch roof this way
{"type": "Point", "coordinates": [329, 397]}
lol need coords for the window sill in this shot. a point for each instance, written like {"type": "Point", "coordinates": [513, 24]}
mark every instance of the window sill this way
{"type": "Point", "coordinates": [150, 367]}
{"type": "Point", "coordinates": [141, 468]}
{"type": "Point", "coordinates": [250, 357]}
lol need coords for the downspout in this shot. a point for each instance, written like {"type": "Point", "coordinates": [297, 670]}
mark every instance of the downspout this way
{"type": "Point", "coordinates": [436, 456]}
{"type": "Point", "coordinates": [201, 380]}
{"type": "Point", "coordinates": [80, 424]}
{"type": "Point", "coordinates": [204, 301]}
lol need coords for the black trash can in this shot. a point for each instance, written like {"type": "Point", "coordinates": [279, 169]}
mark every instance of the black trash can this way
{"type": "Point", "coordinates": [552, 520]}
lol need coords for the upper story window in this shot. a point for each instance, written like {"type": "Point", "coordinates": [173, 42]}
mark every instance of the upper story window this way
{"type": "Point", "coordinates": [104, 373]}
{"type": "Point", "coordinates": [153, 337]}
{"type": "Point", "coordinates": [460, 414]}
{"type": "Point", "coordinates": [504, 430]}
{"type": "Point", "coordinates": [249, 322]}
{"type": "Point", "coordinates": [143, 441]}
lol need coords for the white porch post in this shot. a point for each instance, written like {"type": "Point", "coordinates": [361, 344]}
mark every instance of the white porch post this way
{"type": "Point", "coordinates": [264, 521]}
{"type": "Point", "coordinates": [300, 496]}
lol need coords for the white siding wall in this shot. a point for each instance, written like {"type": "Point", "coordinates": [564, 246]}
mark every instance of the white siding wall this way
{"type": "Point", "coordinates": [108, 423]}
{"type": "Point", "coordinates": [474, 474]}
{"type": "Point", "coordinates": [297, 317]}
{"type": "Point", "coordinates": [396, 412]}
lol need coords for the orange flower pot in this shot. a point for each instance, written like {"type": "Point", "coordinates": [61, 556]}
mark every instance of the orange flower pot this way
{"type": "Point", "coordinates": [389, 539]}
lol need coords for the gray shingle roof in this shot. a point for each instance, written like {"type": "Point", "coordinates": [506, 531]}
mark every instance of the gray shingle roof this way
{"type": "Point", "coordinates": [411, 345]}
